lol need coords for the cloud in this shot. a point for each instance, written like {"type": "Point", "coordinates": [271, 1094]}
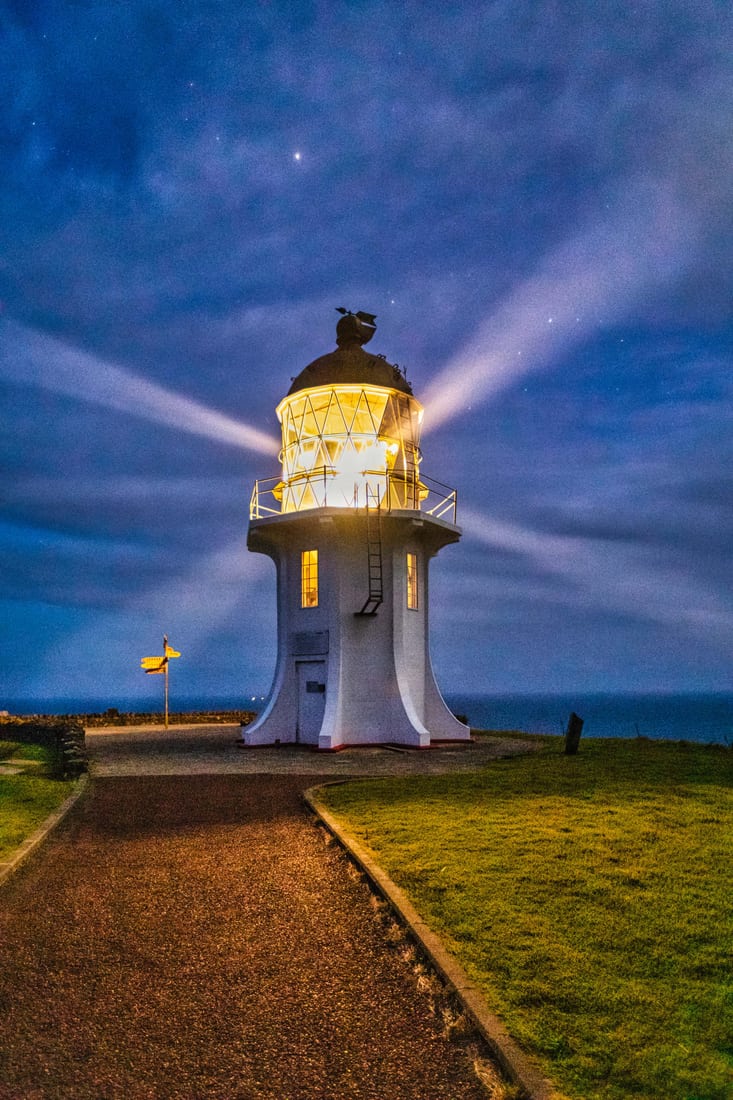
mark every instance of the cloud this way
{"type": "Point", "coordinates": [74, 570]}
{"type": "Point", "coordinates": [219, 613]}
{"type": "Point", "coordinates": [181, 513]}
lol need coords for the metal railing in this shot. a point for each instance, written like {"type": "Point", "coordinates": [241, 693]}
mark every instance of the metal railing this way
{"type": "Point", "coordinates": [440, 501]}
{"type": "Point", "coordinates": [325, 488]}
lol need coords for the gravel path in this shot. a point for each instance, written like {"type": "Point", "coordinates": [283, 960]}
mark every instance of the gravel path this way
{"type": "Point", "coordinates": [193, 936]}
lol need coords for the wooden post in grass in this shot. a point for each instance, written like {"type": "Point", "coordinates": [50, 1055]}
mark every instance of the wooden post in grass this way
{"type": "Point", "coordinates": [572, 734]}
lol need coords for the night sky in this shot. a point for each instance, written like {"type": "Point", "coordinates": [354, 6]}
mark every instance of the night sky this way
{"type": "Point", "coordinates": [534, 198]}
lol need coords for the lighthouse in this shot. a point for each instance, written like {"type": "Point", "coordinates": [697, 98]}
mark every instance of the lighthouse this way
{"type": "Point", "coordinates": [352, 524]}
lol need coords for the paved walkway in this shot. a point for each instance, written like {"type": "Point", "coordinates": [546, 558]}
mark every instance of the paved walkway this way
{"type": "Point", "coordinates": [189, 934]}
{"type": "Point", "coordinates": [215, 750]}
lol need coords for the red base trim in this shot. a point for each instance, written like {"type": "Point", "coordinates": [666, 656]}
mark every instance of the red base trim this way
{"type": "Point", "coordinates": [395, 746]}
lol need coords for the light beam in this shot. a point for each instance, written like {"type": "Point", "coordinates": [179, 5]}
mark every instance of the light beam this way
{"type": "Point", "coordinates": [643, 242]}
{"type": "Point", "coordinates": [614, 576]}
{"type": "Point", "coordinates": [37, 360]}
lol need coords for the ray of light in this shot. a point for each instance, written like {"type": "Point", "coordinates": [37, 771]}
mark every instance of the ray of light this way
{"type": "Point", "coordinates": [38, 360]}
{"type": "Point", "coordinates": [610, 575]}
{"type": "Point", "coordinates": [642, 243]}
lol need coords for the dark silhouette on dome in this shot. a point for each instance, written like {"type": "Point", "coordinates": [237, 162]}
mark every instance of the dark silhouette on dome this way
{"type": "Point", "coordinates": [349, 364]}
{"type": "Point", "coordinates": [355, 328]}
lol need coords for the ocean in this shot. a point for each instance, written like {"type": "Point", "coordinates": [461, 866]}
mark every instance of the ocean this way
{"type": "Point", "coordinates": [705, 718]}
{"type": "Point", "coordinates": [178, 704]}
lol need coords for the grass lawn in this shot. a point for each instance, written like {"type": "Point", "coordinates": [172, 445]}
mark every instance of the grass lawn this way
{"type": "Point", "coordinates": [588, 896]}
{"type": "Point", "coordinates": [28, 798]}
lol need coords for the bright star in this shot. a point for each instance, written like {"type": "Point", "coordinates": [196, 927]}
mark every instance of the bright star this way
{"type": "Point", "coordinates": [296, 156]}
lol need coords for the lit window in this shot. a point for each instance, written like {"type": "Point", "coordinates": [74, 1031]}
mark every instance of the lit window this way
{"type": "Point", "coordinates": [309, 578]}
{"type": "Point", "coordinates": [412, 581]}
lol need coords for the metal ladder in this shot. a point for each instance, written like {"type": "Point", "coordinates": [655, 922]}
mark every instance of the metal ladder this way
{"type": "Point", "coordinates": [374, 553]}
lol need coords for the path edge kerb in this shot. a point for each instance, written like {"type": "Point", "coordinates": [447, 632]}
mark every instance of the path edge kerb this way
{"type": "Point", "coordinates": [511, 1059]}
{"type": "Point", "coordinates": [29, 845]}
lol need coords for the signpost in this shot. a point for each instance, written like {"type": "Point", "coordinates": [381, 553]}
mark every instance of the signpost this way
{"type": "Point", "coordinates": [158, 666]}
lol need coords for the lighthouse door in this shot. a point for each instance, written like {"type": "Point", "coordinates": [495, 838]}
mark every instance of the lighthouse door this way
{"type": "Point", "coordinates": [311, 700]}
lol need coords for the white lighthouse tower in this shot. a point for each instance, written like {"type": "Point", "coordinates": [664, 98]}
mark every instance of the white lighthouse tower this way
{"type": "Point", "coordinates": [351, 525]}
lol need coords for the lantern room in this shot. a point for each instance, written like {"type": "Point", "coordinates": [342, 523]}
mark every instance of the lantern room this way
{"type": "Point", "coordinates": [350, 436]}
{"type": "Point", "coordinates": [342, 442]}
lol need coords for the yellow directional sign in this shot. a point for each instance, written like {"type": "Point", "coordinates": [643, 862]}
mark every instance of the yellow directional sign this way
{"type": "Point", "coordinates": [152, 663]}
